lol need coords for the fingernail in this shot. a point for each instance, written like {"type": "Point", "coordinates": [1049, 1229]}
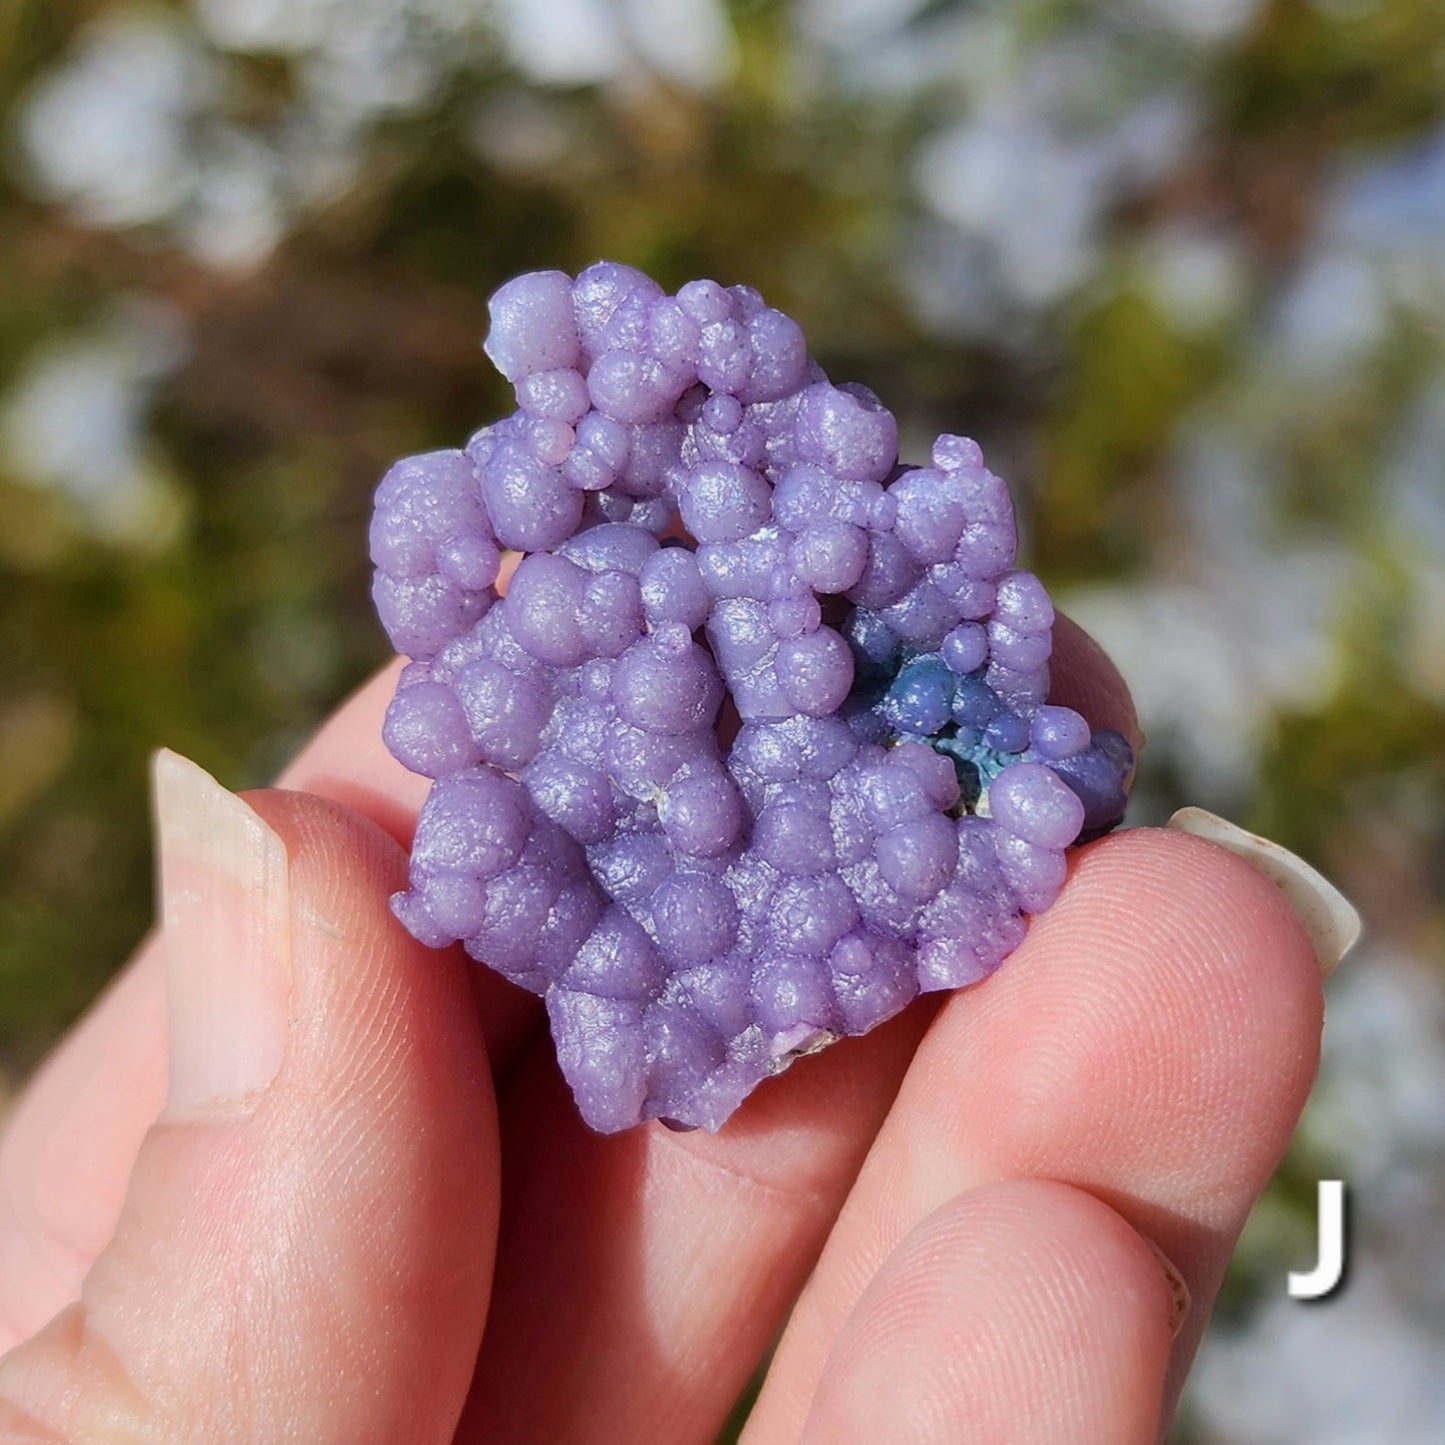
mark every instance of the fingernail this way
{"type": "Point", "coordinates": [1179, 1298]}
{"type": "Point", "coordinates": [225, 911]}
{"type": "Point", "coordinates": [1328, 916]}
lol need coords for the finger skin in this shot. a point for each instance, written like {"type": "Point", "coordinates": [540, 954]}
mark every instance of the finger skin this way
{"type": "Point", "coordinates": [1016, 1313]}
{"type": "Point", "coordinates": [642, 1275]}
{"type": "Point", "coordinates": [1083, 677]}
{"type": "Point", "coordinates": [71, 1142]}
{"type": "Point", "coordinates": [73, 1135]}
{"type": "Point", "coordinates": [347, 761]}
{"type": "Point", "coordinates": [293, 1272]}
{"type": "Point", "coordinates": [1152, 1042]}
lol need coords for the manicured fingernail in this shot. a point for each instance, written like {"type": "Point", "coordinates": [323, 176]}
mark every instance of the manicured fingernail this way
{"type": "Point", "coordinates": [1179, 1298]}
{"type": "Point", "coordinates": [1329, 917]}
{"type": "Point", "coordinates": [225, 909]}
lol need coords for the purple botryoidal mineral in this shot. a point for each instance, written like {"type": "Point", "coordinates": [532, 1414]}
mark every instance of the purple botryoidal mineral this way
{"type": "Point", "coordinates": [755, 748]}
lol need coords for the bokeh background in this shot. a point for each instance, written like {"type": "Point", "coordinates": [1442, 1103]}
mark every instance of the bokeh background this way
{"type": "Point", "coordinates": [1178, 264]}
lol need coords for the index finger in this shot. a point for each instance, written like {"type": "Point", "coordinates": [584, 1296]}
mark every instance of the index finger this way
{"type": "Point", "coordinates": [1151, 1042]}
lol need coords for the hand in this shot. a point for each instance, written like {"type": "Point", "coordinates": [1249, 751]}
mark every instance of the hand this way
{"type": "Point", "coordinates": [358, 1205]}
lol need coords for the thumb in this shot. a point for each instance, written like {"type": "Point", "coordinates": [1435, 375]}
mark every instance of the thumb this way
{"type": "Point", "coordinates": [305, 1250]}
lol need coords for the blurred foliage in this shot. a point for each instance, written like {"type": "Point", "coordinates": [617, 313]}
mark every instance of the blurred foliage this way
{"type": "Point", "coordinates": [234, 615]}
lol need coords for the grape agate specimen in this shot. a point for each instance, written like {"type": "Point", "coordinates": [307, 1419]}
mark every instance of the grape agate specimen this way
{"type": "Point", "coordinates": [755, 748]}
